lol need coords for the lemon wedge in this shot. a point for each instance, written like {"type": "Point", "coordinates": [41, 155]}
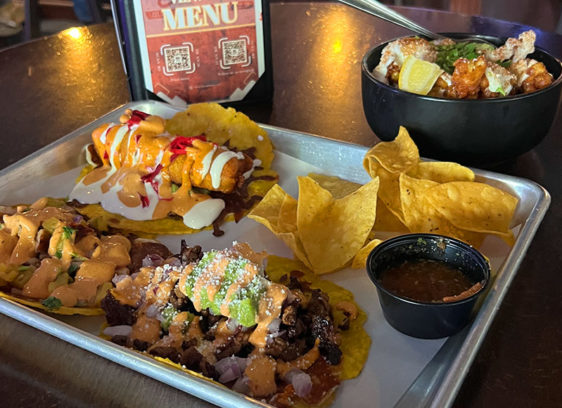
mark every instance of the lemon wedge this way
{"type": "Point", "coordinates": [418, 76]}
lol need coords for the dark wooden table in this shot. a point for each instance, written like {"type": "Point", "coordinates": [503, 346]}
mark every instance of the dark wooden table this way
{"type": "Point", "coordinates": [54, 85]}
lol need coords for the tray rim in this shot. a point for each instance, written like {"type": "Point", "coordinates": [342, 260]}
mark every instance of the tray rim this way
{"type": "Point", "coordinates": [437, 384]}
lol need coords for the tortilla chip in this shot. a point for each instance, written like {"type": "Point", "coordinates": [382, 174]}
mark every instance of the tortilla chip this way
{"type": "Point", "coordinates": [360, 259]}
{"type": "Point", "coordinates": [387, 221]}
{"type": "Point", "coordinates": [389, 191]}
{"type": "Point", "coordinates": [421, 216]}
{"type": "Point", "coordinates": [338, 187]}
{"type": "Point", "coordinates": [332, 231]}
{"type": "Point", "coordinates": [355, 341]}
{"type": "Point", "coordinates": [441, 172]}
{"type": "Point", "coordinates": [398, 155]}
{"type": "Point", "coordinates": [288, 215]}
{"type": "Point", "coordinates": [474, 206]}
{"type": "Point", "coordinates": [267, 210]}
{"type": "Point", "coordinates": [419, 213]}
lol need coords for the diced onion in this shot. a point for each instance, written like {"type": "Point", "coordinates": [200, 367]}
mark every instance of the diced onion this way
{"type": "Point", "coordinates": [118, 278]}
{"type": "Point", "coordinates": [229, 375]}
{"type": "Point", "coordinates": [241, 385]}
{"type": "Point", "coordinates": [301, 381]}
{"type": "Point", "coordinates": [152, 260]}
{"type": "Point", "coordinates": [232, 324]}
{"type": "Point", "coordinates": [230, 368]}
{"type": "Point", "coordinates": [152, 311]}
{"type": "Point", "coordinates": [274, 326]}
{"type": "Point", "coordinates": [122, 330]}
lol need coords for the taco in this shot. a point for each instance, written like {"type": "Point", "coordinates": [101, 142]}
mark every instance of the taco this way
{"type": "Point", "coordinates": [149, 175]}
{"type": "Point", "coordinates": [51, 259]}
{"type": "Point", "coordinates": [281, 335]}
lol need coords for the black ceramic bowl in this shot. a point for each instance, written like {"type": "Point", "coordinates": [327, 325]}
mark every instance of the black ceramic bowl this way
{"type": "Point", "coordinates": [475, 132]}
{"type": "Point", "coordinates": [424, 319]}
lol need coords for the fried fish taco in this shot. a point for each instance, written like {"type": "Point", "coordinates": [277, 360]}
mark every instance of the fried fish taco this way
{"type": "Point", "coordinates": [51, 259]}
{"type": "Point", "coordinates": [149, 175]}
{"type": "Point", "coordinates": [280, 335]}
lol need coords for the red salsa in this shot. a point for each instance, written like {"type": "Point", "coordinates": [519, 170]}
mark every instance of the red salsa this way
{"type": "Point", "coordinates": [427, 280]}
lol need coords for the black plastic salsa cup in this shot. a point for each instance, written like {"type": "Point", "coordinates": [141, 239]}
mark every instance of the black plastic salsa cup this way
{"type": "Point", "coordinates": [427, 320]}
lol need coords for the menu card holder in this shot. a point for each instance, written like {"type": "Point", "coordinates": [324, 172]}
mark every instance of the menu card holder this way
{"type": "Point", "coordinates": [188, 51]}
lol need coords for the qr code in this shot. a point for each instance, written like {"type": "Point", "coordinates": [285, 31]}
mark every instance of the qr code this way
{"type": "Point", "coordinates": [234, 52]}
{"type": "Point", "coordinates": [177, 59]}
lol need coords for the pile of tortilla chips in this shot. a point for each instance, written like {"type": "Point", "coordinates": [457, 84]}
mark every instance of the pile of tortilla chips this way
{"type": "Point", "coordinates": [324, 231]}
{"type": "Point", "coordinates": [224, 126]}
{"type": "Point", "coordinates": [334, 222]}
{"type": "Point", "coordinates": [438, 197]}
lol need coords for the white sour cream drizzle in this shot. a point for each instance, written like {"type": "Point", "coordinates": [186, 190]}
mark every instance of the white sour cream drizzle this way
{"type": "Point", "coordinates": [203, 213]}
{"type": "Point", "coordinates": [218, 165]}
{"type": "Point", "coordinates": [207, 160]}
{"type": "Point", "coordinates": [200, 215]}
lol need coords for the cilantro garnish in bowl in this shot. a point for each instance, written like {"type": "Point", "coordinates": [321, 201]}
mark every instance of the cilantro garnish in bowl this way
{"type": "Point", "coordinates": [448, 54]}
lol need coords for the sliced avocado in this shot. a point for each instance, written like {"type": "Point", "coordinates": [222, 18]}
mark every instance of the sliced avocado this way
{"type": "Point", "coordinates": [102, 291]}
{"type": "Point", "coordinates": [50, 224]}
{"type": "Point", "coordinates": [168, 314]}
{"type": "Point", "coordinates": [244, 311]}
{"type": "Point", "coordinates": [207, 304]}
{"type": "Point", "coordinates": [55, 202]}
{"type": "Point", "coordinates": [62, 279]}
{"type": "Point", "coordinates": [8, 272]}
{"type": "Point", "coordinates": [203, 263]}
{"type": "Point", "coordinates": [243, 306]}
{"type": "Point", "coordinates": [231, 275]}
{"type": "Point", "coordinates": [25, 273]}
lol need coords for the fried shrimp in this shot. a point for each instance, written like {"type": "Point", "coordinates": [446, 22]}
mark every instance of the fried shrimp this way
{"type": "Point", "coordinates": [514, 48]}
{"type": "Point", "coordinates": [531, 74]}
{"type": "Point", "coordinates": [465, 82]}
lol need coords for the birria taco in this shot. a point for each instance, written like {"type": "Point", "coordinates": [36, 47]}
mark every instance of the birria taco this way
{"type": "Point", "coordinates": [280, 335]}
{"type": "Point", "coordinates": [150, 175]}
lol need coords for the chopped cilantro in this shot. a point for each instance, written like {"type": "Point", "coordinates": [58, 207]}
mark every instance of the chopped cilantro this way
{"type": "Point", "coordinates": [58, 254]}
{"type": "Point", "coordinates": [72, 269]}
{"type": "Point", "coordinates": [52, 303]}
{"type": "Point", "coordinates": [448, 54]}
{"type": "Point", "coordinates": [67, 232]}
{"type": "Point", "coordinates": [505, 63]}
{"type": "Point", "coordinates": [78, 257]}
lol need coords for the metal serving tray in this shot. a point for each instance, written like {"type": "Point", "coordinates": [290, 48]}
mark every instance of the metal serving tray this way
{"type": "Point", "coordinates": [401, 371]}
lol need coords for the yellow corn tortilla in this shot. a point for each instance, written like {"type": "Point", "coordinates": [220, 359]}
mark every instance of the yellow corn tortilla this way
{"type": "Point", "coordinates": [102, 219]}
{"type": "Point", "coordinates": [355, 341]}
{"type": "Point", "coordinates": [63, 310]}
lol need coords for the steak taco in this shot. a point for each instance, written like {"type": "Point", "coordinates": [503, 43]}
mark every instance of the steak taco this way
{"type": "Point", "coordinates": [280, 335]}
